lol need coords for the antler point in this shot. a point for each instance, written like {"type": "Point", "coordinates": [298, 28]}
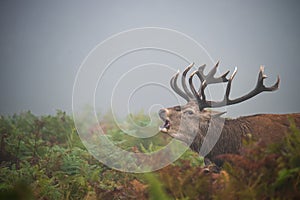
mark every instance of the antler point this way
{"type": "Point", "coordinates": [262, 67]}
{"type": "Point", "coordinates": [278, 81]}
{"type": "Point", "coordinates": [191, 65]}
{"type": "Point", "coordinates": [233, 74]}
{"type": "Point", "coordinates": [193, 73]}
{"type": "Point", "coordinates": [264, 76]}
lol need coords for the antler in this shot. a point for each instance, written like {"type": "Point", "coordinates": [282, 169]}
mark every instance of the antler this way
{"type": "Point", "coordinates": [210, 79]}
{"type": "Point", "coordinates": [205, 79]}
{"type": "Point", "coordinates": [260, 87]}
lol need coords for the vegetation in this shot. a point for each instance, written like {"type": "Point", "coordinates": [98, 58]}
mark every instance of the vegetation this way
{"type": "Point", "coordinates": [43, 158]}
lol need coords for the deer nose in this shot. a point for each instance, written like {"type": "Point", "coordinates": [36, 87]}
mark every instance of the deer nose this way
{"type": "Point", "coordinates": [162, 113]}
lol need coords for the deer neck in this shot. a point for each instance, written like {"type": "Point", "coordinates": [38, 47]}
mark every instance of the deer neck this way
{"type": "Point", "coordinates": [225, 136]}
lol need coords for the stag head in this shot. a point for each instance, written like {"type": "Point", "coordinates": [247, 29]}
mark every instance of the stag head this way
{"type": "Point", "coordinates": [191, 121]}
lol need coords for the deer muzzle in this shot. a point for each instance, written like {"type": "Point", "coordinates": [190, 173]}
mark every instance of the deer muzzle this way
{"type": "Point", "coordinates": [163, 115]}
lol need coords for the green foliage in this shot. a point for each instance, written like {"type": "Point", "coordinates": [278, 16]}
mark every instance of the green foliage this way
{"type": "Point", "coordinates": [156, 189]}
{"type": "Point", "coordinates": [266, 172]}
{"type": "Point", "coordinates": [288, 175]}
{"type": "Point", "coordinates": [43, 158]}
{"type": "Point", "coordinates": [44, 153]}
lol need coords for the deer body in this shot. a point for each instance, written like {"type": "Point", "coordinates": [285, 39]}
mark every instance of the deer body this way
{"type": "Point", "coordinates": [190, 123]}
{"type": "Point", "coordinates": [265, 128]}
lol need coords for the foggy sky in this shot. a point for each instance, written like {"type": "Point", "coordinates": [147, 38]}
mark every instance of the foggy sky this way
{"type": "Point", "coordinates": [43, 43]}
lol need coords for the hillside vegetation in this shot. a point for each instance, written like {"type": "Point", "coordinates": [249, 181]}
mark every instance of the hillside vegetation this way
{"type": "Point", "coordinates": [43, 158]}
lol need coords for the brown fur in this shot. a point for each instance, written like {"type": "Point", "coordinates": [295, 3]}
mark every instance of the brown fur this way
{"type": "Point", "coordinates": [188, 123]}
{"type": "Point", "coordinates": [265, 128]}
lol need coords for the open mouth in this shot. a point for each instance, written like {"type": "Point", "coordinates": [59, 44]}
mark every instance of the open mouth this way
{"type": "Point", "coordinates": [165, 127]}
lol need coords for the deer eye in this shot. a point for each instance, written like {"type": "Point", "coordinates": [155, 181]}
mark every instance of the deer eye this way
{"type": "Point", "coordinates": [189, 112]}
{"type": "Point", "coordinates": [177, 108]}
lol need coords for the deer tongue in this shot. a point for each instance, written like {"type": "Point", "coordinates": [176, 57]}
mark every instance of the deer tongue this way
{"type": "Point", "coordinates": [165, 127]}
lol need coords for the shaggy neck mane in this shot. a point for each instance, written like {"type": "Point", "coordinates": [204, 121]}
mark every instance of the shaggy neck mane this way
{"type": "Point", "coordinates": [228, 141]}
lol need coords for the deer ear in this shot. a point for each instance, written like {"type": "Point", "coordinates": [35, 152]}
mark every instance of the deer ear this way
{"type": "Point", "coordinates": [216, 114]}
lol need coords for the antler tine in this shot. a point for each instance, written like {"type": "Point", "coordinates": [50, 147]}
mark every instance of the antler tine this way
{"type": "Point", "coordinates": [275, 86]}
{"type": "Point", "coordinates": [196, 94]}
{"type": "Point", "coordinates": [200, 73]}
{"type": "Point", "coordinates": [202, 88]}
{"type": "Point", "coordinates": [213, 71]}
{"type": "Point", "coordinates": [174, 86]}
{"type": "Point", "coordinates": [205, 80]}
{"type": "Point", "coordinates": [260, 87]}
{"type": "Point", "coordinates": [189, 94]}
{"type": "Point", "coordinates": [228, 88]}
{"type": "Point", "coordinates": [210, 79]}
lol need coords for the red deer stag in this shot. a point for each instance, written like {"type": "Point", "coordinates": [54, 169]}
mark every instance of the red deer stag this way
{"type": "Point", "coordinates": [190, 123]}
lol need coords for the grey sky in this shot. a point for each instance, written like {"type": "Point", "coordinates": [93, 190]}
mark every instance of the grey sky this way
{"type": "Point", "coordinates": [43, 43]}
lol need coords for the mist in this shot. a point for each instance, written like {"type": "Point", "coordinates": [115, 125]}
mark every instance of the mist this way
{"type": "Point", "coordinates": [44, 44]}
